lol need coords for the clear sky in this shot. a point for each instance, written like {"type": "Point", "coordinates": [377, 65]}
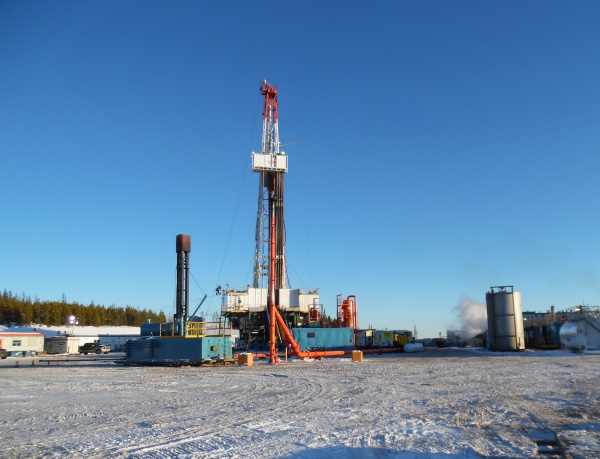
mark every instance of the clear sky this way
{"type": "Point", "coordinates": [449, 147]}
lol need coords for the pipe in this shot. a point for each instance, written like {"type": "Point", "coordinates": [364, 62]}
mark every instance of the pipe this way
{"type": "Point", "coordinates": [294, 346]}
{"type": "Point", "coordinates": [335, 353]}
{"type": "Point", "coordinates": [306, 354]}
{"type": "Point", "coordinates": [274, 314]}
{"type": "Point", "coordinates": [196, 310]}
{"type": "Point", "coordinates": [272, 308]}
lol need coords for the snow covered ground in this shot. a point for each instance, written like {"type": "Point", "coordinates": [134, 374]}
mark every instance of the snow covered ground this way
{"type": "Point", "coordinates": [441, 404]}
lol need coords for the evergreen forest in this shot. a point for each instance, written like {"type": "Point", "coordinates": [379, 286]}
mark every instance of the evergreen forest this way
{"type": "Point", "coordinates": [23, 310]}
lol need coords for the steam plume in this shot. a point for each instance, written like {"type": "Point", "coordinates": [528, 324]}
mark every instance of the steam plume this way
{"type": "Point", "coordinates": [472, 316]}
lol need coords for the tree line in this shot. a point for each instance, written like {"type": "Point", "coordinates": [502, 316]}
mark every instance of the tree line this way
{"type": "Point", "coordinates": [23, 310]}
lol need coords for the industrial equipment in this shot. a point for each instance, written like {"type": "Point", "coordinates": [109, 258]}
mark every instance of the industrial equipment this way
{"type": "Point", "coordinates": [383, 339]}
{"type": "Point", "coordinates": [581, 331]}
{"type": "Point", "coordinates": [542, 329]}
{"type": "Point", "coordinates": [271, 164]}
{"type": "Point", "coordinates": [269, 308]}
{"type": "Point", "coordinates": [182, 342]}
{"type": "Point", "coordinates": [347, 311]}
{"type": "Point", "coordinates": [505, 319]}
{"type": "Point", "coordinates": [270, 232]}
{"type": "Point", "coordinates": [314, 339]}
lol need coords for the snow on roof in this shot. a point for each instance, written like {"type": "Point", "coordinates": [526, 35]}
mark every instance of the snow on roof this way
{"type": "Point", "coordinates": [70, 330]}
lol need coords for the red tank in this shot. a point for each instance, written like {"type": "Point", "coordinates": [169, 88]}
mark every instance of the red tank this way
{"type": "Point", "coordinates": [347, 314]}
{"type": "Point", "coordinates": [314, 314]}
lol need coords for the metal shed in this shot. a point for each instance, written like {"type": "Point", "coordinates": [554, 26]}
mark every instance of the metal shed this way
{"type": "Point", "coordinates": [61, 344]}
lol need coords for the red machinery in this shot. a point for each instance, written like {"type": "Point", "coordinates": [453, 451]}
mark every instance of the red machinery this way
{"type": "Point", "coordinates": [314, 315]}
{"type": "Point", "coordinates": [347, 312]}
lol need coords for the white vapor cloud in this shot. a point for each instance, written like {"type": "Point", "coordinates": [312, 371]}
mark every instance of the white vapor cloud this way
{"type": "Point", "coordinates": [472, 316]}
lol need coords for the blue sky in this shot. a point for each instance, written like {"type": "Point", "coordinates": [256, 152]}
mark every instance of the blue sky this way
{"type": "Point", "coordinates": [449, 147]}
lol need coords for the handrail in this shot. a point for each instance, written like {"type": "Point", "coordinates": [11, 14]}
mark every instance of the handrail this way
{"type": "Point", "coordinates": [195, 330]}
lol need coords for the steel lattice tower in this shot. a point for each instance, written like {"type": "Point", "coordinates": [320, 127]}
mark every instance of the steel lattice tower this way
{"type": "Point", "coordinates": [271, 164]}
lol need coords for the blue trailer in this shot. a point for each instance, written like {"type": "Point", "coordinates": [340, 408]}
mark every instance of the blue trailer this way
{"type": "Point", "coordinates": [331, 339]}
{"type": "Point", "coordinates": [178, 351]}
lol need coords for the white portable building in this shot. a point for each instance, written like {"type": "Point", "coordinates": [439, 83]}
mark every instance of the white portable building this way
{"type": "Point", "coordinates": [25, 342]}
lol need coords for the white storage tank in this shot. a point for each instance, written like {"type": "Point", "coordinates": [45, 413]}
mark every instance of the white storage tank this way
{"type": "Point", "coordinates": [573, 335]}
{"type": "Point", "coordinates": [505, 319]}
{"type": "Point", "coordinates": [581, 331]}
{"type": "Point", "coordinates": [414, 347]}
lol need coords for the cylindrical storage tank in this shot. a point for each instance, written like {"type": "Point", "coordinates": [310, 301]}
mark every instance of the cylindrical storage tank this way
{"type": "Point", "coordinates": [347, 316]}
{"type": "Point", "coordinates": [183, 243]}
{"type": "Point", "coordinates": [573, 335]}
{"type": "Point", "coordinates": [314, 314]}
{"type": "Point", "coordinates": [413, 347]}
{"type": "Point", "coordinates": [505, 320]}
{"type": "Point", "coordinates": [538, 336]}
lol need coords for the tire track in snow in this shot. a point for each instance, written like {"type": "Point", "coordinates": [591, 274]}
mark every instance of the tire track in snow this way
{"type": "Point", "coordinates": [234, 436]}
{"type": "Point", "coordinates": [481, 407]}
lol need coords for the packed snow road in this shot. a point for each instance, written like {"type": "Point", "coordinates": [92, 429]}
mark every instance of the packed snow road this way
{"type": "Point", "coordinates": [446, 404]}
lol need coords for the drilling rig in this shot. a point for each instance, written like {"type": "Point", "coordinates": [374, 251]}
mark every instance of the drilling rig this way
{"type": "Point", "coordinates": [271, 164]}
{"type": "Point", "coordinates": [247, 308]}
{"type": "Point", "coordinates": [267, 310]}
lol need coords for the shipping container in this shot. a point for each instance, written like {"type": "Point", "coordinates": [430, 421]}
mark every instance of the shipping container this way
{"type": "Point", "coordinates": [61, 344]}
{"type": "Point", "coordinates": [310, 339]}
{"type": "Point", "coordinates": [382, 338]}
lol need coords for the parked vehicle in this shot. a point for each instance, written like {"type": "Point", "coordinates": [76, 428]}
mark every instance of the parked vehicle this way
{"type": "Point", "coordinates": [3, 353]}
{"type": "Point", "coordinates": [94, 348]}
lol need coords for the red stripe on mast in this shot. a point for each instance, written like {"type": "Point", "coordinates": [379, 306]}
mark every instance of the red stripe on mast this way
{"type": "Point", "coordinates": [270, 92]}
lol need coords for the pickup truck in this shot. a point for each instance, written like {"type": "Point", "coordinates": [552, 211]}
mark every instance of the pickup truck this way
{"type": "Point", "coordinates": [94, 348]}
